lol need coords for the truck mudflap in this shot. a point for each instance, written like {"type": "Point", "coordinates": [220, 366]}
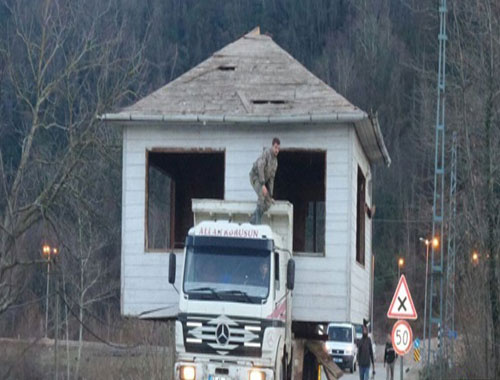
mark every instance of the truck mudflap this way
{"type": "Point", "coordinates": [332, 371]}
{"type": "Point", "coordinates": [300, 346]}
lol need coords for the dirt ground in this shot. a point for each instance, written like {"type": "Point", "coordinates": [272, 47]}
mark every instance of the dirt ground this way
{"type": "Point", "coordinates": [20, 359]}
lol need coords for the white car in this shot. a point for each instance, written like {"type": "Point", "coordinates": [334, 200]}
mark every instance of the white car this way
{"type": "Point", "coordinates": [341, 345]}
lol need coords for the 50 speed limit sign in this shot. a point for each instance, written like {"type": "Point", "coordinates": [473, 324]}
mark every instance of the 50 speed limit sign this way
{"type": "Point", "coordinates": [402, 337]}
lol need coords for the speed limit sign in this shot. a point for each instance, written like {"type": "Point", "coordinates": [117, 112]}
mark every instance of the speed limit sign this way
{"type": "Point", "coordinates": [402, 337]}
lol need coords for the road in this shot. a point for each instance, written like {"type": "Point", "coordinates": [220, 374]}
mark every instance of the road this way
{"type": "Point", "coordinates": [380, 373]}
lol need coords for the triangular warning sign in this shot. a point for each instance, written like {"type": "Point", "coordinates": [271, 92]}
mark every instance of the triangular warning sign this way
{"type": "Point", "coordinates": [402, 305]}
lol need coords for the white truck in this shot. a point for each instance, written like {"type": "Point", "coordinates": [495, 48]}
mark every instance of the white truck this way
{"type": "Point", "coordinates": [235, 317]}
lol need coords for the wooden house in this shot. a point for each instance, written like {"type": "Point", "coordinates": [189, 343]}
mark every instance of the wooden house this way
{"type": "Point", "coordinates": [198, 136]}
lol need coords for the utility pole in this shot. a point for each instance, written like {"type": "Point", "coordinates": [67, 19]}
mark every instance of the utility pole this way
{"type": "Point", "coordinates": [436, 280]}
{"type": "Point", "coordinates": [449, 313]}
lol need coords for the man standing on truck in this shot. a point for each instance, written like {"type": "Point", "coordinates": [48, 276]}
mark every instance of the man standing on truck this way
{"type": "Point", "coordinates": [365, 355]}
{"type": "Point", "coordinates": [262, 179]}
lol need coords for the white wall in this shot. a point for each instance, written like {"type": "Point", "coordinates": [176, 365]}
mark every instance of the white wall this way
{"type": "Point", "coordinates": [360, 274]}
{"type": "Point", "coordinates": [322, 290]}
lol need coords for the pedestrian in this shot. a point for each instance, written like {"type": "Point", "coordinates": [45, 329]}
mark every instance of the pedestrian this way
{"type": "Point", "coordinates": [390, 357]}
{"type": "Point", "coordinates": [365, 356]}
{"type": "Point", "coordinates": [262, 179]}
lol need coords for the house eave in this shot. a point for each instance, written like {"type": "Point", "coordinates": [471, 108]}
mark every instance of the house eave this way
{"type": "Point", "coordinates": [344, 117]}
{"type": "Point", "coordinates": [367, 127]}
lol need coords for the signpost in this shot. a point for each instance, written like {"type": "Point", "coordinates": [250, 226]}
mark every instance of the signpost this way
{"type": "Point", "coordinates": [402, 308]}
{"type": "Point", "coordinates": [402, 337]}
{"type": "Point", "coordinates": [416, 354]}
{"type": "Point", "coordinates": [416, 343]}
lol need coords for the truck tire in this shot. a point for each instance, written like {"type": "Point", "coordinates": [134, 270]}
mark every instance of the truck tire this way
{"type": "Point", "coordinates": [285, 368]}
{"type": "Point", "coordinates": [310, 371]}
{"type": "Point", "coordinates": [282, 372]}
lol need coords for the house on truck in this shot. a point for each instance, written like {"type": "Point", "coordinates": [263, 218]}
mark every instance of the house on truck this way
{"type": "Point", "coordinates": [197, 138]}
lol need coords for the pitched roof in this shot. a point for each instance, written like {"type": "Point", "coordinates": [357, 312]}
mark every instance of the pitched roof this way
{"type": "Point", "coordinates": [251, 80]}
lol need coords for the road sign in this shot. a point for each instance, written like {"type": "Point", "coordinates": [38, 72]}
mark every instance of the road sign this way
{"type": "Point", "coordinates": [416, 354]}
{"type": "Point", "coordinates": [452, 334]}
{"type": "Point", "coordinates": [402, 337]}
{"type": "Point", "coordinates": [402, 306]}
{"type": "Point", "coordinates": [416, 343]}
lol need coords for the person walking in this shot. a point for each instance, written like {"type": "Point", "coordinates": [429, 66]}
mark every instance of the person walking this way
{"type": "Point", "coordinates": [390, 357]}
{"type": "Point", "coordinates": [262, 179]}
{"type": "Point", "coordinates": [365, 356]}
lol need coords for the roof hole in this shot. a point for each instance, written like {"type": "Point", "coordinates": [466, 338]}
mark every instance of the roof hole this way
{"type": "Point", "coordinates": [264, 101]}
{"type": "Point", "coordinates": [227, 68]}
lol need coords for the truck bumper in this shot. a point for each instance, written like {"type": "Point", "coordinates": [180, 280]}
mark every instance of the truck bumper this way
{"type": "Point", "coordinates": [221, 371]}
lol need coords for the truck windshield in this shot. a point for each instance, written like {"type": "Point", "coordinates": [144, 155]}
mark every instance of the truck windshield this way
{"type": "Point", "coordinates": [340, 334]}
{"type": "Point", "coordinates": [227, 273]}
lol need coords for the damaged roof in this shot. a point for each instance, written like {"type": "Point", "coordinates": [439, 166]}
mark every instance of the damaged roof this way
{"type": "Point", "coordinates": [253, 80]}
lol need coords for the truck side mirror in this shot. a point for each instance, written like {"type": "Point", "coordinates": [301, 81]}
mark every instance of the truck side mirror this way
{"type": "Point", "coordinates": [171, 268]}
{"type": "Point", "coordinates": [290, 274]}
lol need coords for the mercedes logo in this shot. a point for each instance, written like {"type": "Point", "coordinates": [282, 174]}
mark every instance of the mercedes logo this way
{"type": "Point", "coordinates": [222, 334]}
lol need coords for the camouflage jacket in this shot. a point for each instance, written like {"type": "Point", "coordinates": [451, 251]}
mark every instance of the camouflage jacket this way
{"type": "Point", "coordinates": [264, 169]}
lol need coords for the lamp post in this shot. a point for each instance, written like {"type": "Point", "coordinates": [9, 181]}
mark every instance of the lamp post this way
{"type": "Point", "coordinates": [435, 244]}
{"type": "Point", "coordinates": [47, 253]}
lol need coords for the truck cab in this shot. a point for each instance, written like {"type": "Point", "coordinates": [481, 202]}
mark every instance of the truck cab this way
{"type": "Point", "coordinates": [235, 308]}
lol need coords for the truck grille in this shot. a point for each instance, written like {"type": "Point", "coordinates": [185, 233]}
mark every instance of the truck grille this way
{"type": "Point", "coordinates": [222, 334]}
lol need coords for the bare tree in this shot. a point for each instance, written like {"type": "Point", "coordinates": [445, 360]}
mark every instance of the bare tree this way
{"type": "Point", "coordinates": [65, 63]}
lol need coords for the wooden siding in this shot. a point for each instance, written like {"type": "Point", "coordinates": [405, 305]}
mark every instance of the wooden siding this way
{"type": "Point", "coordinates": [323, 290]}
{"type": "Point", "coordinates": [360, 274]}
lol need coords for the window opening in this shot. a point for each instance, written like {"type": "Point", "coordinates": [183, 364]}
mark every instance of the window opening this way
{"type": "Point", "coordinates": [360, 218]}
{"type": "Point", "coordinates": [264, 101]}
{"type": "Point", "coordinates": [300, 179]}
{"type": "Point", "coordinates": [227, 68]}
{"type": "Point", "coordinates": [173, 180]}
{"type": "Point", "coordinates": [315, 226]}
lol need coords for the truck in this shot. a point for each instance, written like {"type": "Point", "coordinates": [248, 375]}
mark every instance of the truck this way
{"type": "Point", "coordinates": [235, 313]}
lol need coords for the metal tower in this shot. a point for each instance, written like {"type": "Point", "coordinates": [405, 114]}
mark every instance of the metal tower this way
{"type": "Point", "coordinates": [449, 312]}
{"type": "Point", "coordinates": [436, 283]}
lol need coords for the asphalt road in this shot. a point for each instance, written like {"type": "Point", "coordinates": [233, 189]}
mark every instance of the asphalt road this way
{"type": "Point", "coordinates": [380, 373]}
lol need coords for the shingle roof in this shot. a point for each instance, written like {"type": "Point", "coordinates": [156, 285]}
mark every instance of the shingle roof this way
{"type": "Point", "coordinates": [254, 80]}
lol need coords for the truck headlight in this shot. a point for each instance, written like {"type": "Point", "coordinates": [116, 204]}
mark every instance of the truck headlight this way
{"type": "Point", "coordinates": [188, 372]}
{"type": "Point", "coordinates": [348, 351]}
{"type": "Point", "coordinates": [255, 374]}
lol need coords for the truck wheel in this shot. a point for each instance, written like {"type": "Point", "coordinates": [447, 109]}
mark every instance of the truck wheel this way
{"type": "Point", "coordinates": [283, 370]}
{"type": "Point", "coordinates": [352, 369]}
{"type": "Point", "coordinates": [310, 367]}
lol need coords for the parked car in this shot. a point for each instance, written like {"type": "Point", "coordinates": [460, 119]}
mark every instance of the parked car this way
{"type": "Point", "coordinates": [341, 345]}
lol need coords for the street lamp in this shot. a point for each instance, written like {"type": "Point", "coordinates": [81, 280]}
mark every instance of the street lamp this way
{"type": "Point", "coordinates": [47, 253]}
{"type": "Point", "coordinates": [475, 258]}
{"type": "Point", "coordinates": [401, 263]}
